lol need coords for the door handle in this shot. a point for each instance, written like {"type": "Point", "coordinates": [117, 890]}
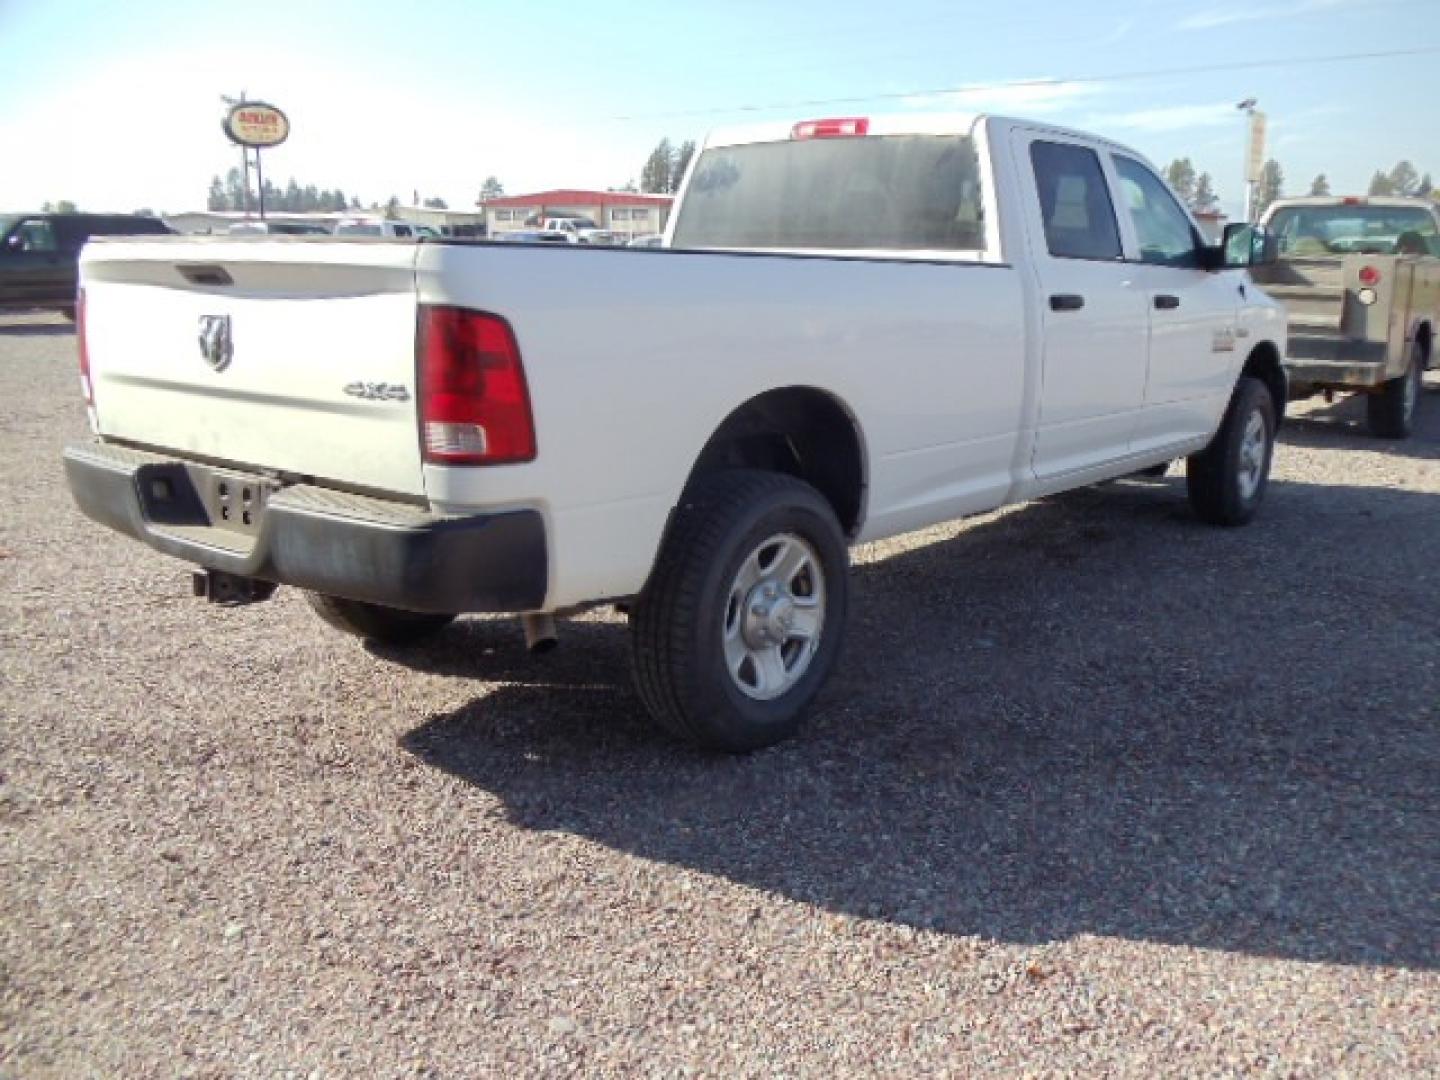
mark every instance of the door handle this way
{"type": "Point", "coordinates": [1066, 302]}
{"type": "Point", "coordinates": [1164, 301]}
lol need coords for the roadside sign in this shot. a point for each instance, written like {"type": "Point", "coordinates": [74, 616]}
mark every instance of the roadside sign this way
{"type": "Point", "coordinates": [1255, 162]}
{"type": "Point", "coordinates": [256, 124]}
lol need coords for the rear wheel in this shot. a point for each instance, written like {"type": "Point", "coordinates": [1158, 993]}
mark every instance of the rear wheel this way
{"type": "Point", "coordinates": [742, 618]}
{"type": "Point", "coordinates": [1391, 412]}
{"type": "Point", "coordinates": [375, 622]}
{"type": "Point", "coordinates": [1227, 479]}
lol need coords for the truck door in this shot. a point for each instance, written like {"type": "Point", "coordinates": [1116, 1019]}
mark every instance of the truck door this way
{"type": "Point", "coordinates": [33, 269]}
{"type": "Point", "coordinates": [1193, 313]}
{"type": "Point", "coordinates": [1092, 314]}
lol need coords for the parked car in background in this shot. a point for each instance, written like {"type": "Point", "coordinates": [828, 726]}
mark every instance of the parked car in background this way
{"type": "Point", "coordinates": [279, 228]}
{"type": "Point", "coordinates": [403, 230]}
{"type": "Point", "coordinates": [648, 240]}
{"type": "Point", "coordinates": [532, 236]}
{"type": "Point", "coordinates": [1023, 309]}
{"type": "Point", "coordinates": [1360, 277]}
{"type": "Point", "coordinates": [40, 252]}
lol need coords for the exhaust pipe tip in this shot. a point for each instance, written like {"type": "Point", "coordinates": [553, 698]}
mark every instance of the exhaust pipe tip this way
{"type": "Point", "coordinates": [540, 634]}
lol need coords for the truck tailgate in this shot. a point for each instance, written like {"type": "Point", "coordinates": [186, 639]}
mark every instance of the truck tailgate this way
{"type": "Point", "coordinates": [292, 356]}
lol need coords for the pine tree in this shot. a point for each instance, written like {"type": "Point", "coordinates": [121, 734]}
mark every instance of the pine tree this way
{"type": "Point", "coordinates": [1204, 197]}
{"type": "Point", "coordinates": [215, 200]}
{"type": "Point", "coordinates": [681, 163]}
{"type": "Point", "coordinates": [1180, 174]}
{"type": "Point", "coordinates": [1320, 185]}
{"type": "Point", "coordinates": [1380, 184]}
{"type": "Point", "coordinates": [491, 189]}
{"type": "Point", "coordinates": [655, 176]}
{"type": "Point", "coordinates": [1404, 179]}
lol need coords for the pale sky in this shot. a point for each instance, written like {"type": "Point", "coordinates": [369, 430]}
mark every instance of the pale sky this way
{"type": "Point", "coordinates": [117, 105]}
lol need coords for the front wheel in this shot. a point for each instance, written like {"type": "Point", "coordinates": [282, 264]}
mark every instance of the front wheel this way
{"type": "Point", "coordinates": [1227, 479]}
{"type": "Point", "coordinates": [1391, 412]}
{"type": "Point", "coordinates": [741, 620]}
{"type": "Point", "coordinates": [375, 622]}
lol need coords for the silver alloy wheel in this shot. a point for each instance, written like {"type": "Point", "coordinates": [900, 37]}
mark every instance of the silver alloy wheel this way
{"type": "Point", "coordinates": [774, 616]}
{"type": "Point", "coordinates": [1252, 456]}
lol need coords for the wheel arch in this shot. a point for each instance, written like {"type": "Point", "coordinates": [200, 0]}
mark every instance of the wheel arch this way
{"type": "Point", "coordinates": [1425, 338]}
{"type": "Point", "coordinates": [1265, 364]}
{"type": "Point", "coordinates": [803, 431]}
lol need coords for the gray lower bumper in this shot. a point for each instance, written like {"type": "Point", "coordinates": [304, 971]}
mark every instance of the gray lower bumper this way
{"type": "Point", "coordinates": [1333, 362]}
{"type": "Point", "coordinates": [354, 546]}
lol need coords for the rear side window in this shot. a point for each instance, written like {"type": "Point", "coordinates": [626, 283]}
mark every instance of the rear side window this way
{"type": "Point", "coordinates": [896, 192]}
{"type": "Point", "coordinates": [1075, 202]}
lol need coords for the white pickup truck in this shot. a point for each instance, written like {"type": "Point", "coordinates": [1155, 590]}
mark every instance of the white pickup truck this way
{"type": "Point", "coordinates": [858, 327]}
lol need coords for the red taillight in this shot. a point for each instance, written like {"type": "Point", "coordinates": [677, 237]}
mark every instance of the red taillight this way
{"type": "Point", "coordinates": [474, 405]}
{"type": "Point", "coordinates": [1352, 200]}
{"type": "Point", "coordinates": [838, 128]}
{"type": "Point", "coordinates": [1369, 275]}
{"type": "Point", "coordinates": [85, 386]}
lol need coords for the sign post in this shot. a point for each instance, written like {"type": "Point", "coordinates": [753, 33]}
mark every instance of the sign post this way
{"type": "Point", "coordinates": [255, 125]}
{"type": "Point", "coordinates": [1254, 161]}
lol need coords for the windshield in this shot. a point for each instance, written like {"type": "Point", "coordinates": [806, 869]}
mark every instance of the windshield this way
{"type": "Point", "coordinates": [902, 192]}
{"type": "Point", "coordinates": [1341, 230]}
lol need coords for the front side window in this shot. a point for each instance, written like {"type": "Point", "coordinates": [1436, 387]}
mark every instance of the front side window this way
{"type": "Point", "coordinates": [883, 192]}
{"type": "Point", "coordinates": [1075, 206]}
{"type": "Point", "coordinates": [34, 235]}
{"type": "Point", "coordinates": [1162, 229]}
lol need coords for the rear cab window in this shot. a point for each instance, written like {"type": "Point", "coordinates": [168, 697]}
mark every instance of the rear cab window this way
{"type": "Point", "coordinates": [878, 192]}
{"type": "Point", "coordinates": [1321, 231]}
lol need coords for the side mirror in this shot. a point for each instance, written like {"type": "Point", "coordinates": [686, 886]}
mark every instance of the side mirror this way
{"type": "Point", "coordinates": [1247, 245]}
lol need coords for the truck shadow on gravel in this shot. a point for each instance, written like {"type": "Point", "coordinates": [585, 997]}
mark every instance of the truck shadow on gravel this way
{"type": "Point", "coordinates": [1341, 424]}
{"type": "Point", "coordinates": [1090, 715]}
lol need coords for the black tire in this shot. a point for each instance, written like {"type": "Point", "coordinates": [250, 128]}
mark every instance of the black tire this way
{"type": "Point", "coordinates": [1155, 470]}
{"type": "Point", "coordinates": [1218, 479]}
{"type": "Point", "coordinates": [678, 626]}
{"type": "Point", "coordinates": [1391, 412]}
{"type": "Point", "coordinates": [374, 622]}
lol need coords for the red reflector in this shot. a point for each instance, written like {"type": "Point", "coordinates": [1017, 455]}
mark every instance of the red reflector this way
{"type": "Point", "coordinates": [838, 128]}
{"type": "Point", "coordinates": [85, 387]}
{"type": "Point", "coordinates": [474, 404]}
{"type": "Point", "coordinates": [1369, 275]}
{"type": "Point", "coordinates": [1352, 200]}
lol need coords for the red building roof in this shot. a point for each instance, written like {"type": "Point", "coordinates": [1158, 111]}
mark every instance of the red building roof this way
{"type": "Point", "coordinates": [579, 197]}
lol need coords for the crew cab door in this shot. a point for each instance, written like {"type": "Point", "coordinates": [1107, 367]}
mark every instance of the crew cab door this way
{"type": "Point", "coordinates": [1093, 316]}
{"type": "Point", "coordinates": [1193, 313]}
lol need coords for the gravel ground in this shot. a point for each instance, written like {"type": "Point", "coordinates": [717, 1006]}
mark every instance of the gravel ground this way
{"type": "Point", "coordinates": [1098, 790]}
